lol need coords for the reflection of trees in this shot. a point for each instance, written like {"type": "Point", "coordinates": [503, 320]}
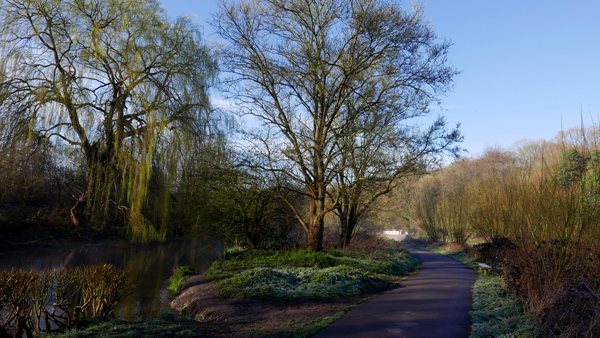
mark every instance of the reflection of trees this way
{"type": "Point", "coordinates": [149, 267]}
{"type": "Point", "coordinates": [153, 265]}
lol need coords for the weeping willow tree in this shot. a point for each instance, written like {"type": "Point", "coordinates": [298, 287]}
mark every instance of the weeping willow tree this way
{"type": "Point", "coordinates": [122, 82]}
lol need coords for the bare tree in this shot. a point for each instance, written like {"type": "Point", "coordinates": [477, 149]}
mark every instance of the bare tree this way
{"type": "Point", "coordinates": [116, 78]}
{"type": "Point", "coordinates": [385, 153]}
{"type": "Point", "coordinates": [298, 65]}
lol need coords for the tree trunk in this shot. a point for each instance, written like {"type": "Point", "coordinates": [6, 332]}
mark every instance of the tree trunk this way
{"type": "Point", "coordinates": [317, 224]}
{"type": "Point", "coordinates": [348, 223]}
{"type": "Point", "coordinates": [315, 234]}
{"type": "Point", "coordinates": [343, 225]}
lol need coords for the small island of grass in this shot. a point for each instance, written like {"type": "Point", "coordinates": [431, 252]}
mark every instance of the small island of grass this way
{"type": "Point", "coordinates": [295, 274]}
{"type": "Point", "coordinates": [299, 291]}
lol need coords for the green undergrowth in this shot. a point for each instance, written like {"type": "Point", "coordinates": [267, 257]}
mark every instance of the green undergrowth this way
{"type": "Point", "coordinates": [166, 324]}
{"type": "Point", "coordinates": [176, 281]}
{"type": "Point", "coordinates": [496, 311]}
{"type": "Point", "coordinates": [293, 274]}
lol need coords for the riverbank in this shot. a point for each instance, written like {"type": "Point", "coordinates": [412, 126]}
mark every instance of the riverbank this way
{"type": "Point", "coordinates": [50, 238]}
{"type": "Point", "coordinates": [149, 265]}
{"type": "Point", "coordinates": [291, 293]}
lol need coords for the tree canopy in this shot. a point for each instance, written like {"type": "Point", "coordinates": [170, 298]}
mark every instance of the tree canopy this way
{"type": "Point", "coordinates": [117, 79]}
{"type": "Point", "coordinates": [315, 73]}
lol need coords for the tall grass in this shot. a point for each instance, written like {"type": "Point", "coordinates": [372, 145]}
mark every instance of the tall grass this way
{"type": "Point", "coordinates": [176, 280]}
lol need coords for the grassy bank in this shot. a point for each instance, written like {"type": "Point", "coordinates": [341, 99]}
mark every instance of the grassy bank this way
{"type": "Point", "coordinates": [496, 311]}
{"type": "Point", "coordinates": [304, 274]}
{"type": "Point", "coordinates": [176, 281]}
{"type": "Point", "coordinates": [166, 324]}
{"type": "Point", "coordinates": [499, 313]}
{"type": "Point", "coordinates": [291, 293]}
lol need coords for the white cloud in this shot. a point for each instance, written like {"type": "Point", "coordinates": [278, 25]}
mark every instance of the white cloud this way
{"type": "Point", "coordinates": [222, 103]}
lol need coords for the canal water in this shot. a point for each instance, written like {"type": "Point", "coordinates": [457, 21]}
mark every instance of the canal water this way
{"type": "Point", "coordinates": [150, 266]}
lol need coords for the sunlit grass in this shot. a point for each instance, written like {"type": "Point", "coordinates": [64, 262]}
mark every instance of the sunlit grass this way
{"type": "Point", "coordinates": [293, 274]}
{"type": "Point", "coordinates": [499, 313]}
{"type": "Point", "coordinates": [496, 311]}
{"type": "Point", "coordinates": [179, 274]}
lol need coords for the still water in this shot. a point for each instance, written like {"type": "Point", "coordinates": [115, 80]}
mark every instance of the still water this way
{"type": "Point", "coordinates": [149, 265]}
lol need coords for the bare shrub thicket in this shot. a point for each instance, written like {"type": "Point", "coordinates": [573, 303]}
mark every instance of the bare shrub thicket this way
{"type": "Point", "coordinates": [53, 300]}
{"type": "Point", "coordinates": [37, 185]}
{"type": "Point", "coordinates": [538, 207]}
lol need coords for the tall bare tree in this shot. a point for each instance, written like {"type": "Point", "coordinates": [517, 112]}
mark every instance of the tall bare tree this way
{"type": "Point", "coordinates": [296, 65]}
{"type": "Point", "coordinates": [386, 152]}
{"type": "Point", "coordinates": [116, 78]}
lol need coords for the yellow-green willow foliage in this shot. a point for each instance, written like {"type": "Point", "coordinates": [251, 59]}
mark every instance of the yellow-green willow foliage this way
{"type": "Point", "coordinates": [122, 82]}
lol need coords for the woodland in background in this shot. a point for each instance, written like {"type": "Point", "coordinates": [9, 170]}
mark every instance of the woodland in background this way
{"type": "Point", "coordinates": [537, 207]}
{"type": "Point", "coordinates": [106, 127]}
{"type": "Point", "coordinates": [106, 123]}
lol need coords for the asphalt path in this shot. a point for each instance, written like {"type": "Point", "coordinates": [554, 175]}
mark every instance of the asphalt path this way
{"type": "Point", "coordinates": [433, 303]}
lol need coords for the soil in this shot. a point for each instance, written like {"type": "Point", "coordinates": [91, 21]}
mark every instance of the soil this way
{"type": "Point", "coordinates": [224, 317]}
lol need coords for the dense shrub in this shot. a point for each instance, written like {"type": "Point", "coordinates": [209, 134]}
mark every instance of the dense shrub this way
{"type": "Point", "coordinates": [494, 250]}
{"type": "Point", "coordinates": [40, 301]}
{"type": "Point", "coordinates": [537, 207]}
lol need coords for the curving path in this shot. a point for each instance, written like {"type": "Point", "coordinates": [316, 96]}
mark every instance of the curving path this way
{"type": "Point", "coordinates": [433, 303]}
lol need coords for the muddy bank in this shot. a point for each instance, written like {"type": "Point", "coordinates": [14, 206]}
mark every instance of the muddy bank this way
{"type": "Point", "coordinates": [199, 299]}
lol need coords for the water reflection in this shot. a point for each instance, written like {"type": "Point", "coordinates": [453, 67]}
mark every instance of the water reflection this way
{"type": "Point", "coordinates": [150, 265]}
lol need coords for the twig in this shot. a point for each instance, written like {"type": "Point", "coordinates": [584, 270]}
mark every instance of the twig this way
{"type": "Point", "coordinates": [590, 290]}
{"type": "Point", "coordinates": [37, 240]}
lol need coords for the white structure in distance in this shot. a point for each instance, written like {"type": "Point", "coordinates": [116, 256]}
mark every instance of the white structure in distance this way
{"type": "Point", "coordinates": [395, 232]}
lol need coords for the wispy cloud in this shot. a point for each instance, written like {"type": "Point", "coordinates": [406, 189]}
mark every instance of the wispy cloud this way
{"type": "Point", "coordinates": [222, 103]}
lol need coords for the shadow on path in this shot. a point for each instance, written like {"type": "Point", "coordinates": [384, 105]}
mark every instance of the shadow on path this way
{"type": "Point", "coordinates": [433, 303]}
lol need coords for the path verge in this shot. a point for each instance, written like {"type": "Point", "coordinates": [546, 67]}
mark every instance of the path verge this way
{"type": "Point", "coordinates": [433, 303]}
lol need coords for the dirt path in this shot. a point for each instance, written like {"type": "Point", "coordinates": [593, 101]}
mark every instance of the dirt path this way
{"type": "Point", "coordinates": [433, 303]}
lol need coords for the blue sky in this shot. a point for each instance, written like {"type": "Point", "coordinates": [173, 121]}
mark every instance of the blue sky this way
{"type": "Point", "coordinates": [529, 68]}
